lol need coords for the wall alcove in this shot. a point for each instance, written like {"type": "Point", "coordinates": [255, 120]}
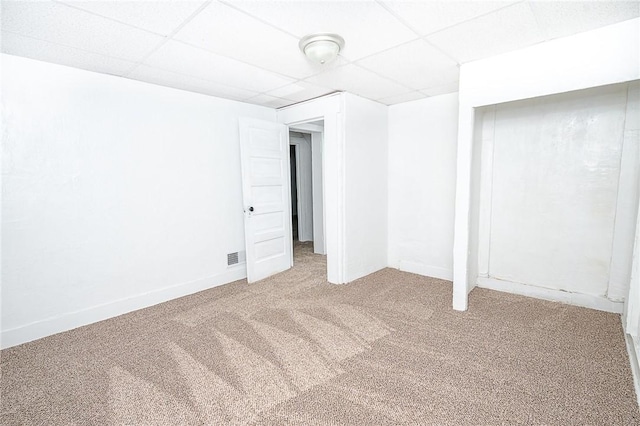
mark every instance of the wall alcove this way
{"type": "Point", "coordinates": [557, 67]}
{"type": "Point", "coordinates": [556, 193]}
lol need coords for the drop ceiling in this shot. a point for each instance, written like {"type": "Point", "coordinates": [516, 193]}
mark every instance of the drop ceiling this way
{"type": "Point", "coordinates": [247, 50]}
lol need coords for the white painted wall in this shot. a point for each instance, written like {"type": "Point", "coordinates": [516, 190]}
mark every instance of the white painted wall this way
{"type": "Point", "coordinates": [116, 195]}
{"type": "Point", "coordinates": [632, 311]}
{"type": "Point", "coordinates": [554, 190]}
{"type": "Point", "coordinates": [631, 318]}
{"type": "Point", "coordinates": [628, 194]}
{"type": "Point", "coordinates": [365, 196]}
{"type": "Point", "coordinates": [632, 308]}
{"type": "Point", "coordinates": [422, 164]}
{"type": "Point", "coordinates": [2, 154]}
{"type": "Point", "coordinates": [604, 56]}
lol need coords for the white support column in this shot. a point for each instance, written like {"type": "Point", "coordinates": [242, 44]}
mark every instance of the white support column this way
{"type": "Point", "coordinates": [461, 278]}
{"type": "Point", "coordinates": [633, 299]}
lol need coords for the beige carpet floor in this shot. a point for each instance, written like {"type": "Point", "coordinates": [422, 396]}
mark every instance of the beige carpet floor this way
{"type": "Point", "coordinates": [293, 349]}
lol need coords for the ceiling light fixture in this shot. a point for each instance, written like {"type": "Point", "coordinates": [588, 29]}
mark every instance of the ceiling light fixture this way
{"type": "Point", "coordinates": [321, 48]}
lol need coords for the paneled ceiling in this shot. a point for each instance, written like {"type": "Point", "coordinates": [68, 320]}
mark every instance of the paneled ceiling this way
{"type": "Point", "coordinates": [247, 50]}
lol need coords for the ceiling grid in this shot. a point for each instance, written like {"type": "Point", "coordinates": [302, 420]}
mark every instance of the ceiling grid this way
{"type": "Point", "coordinates": [247, 50]}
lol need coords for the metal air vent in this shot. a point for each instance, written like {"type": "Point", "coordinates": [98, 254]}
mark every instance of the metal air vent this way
{"type": "Point", "coordinates": [236, 258]}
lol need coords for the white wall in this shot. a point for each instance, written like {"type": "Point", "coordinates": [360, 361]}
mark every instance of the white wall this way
{"type": "Point", "coordinates": [551, 191]}
{"type": "Point", "coordinates": [117, 195]}
{"type": "Point", "coordinates": [365, 196]}
{"type": "Point", "coordinates": [628, 194]}
{"type": "Point", "coordinates": [631, 318]}
{"type": "Point", "coordinates": [632, 308]}
{"type": "Point", "coordinates": [422, 164]}
{"type": "Point", "coordinates": [595, 58]}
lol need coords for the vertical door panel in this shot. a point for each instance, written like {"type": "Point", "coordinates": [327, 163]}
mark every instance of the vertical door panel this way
{"type": "Point", "coordinates": [264, 148]}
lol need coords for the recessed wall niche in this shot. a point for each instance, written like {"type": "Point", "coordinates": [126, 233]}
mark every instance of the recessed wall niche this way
{"type": "Point", "coordinates": [555, 191]}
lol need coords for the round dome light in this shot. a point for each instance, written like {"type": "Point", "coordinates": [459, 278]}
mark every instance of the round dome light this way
{"type": "Point", "coordinates": [321, 48]}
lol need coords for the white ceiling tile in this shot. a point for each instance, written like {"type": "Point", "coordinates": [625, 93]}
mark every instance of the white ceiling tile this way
{"type": "Point", "coordinates": [505, 30]}
{"type": "Point", "coordinates": [248, 49]}
{"type": "Point", "coordinates": [563, 18]}
{"type": "Point", "coordinates": [300, 91]}
{"type": "Point", "coordinates": [422, 65]}
{"type": "Point", "coordinates": [366, 26]}
{"type": "Point", "coordinates": [269, 101]}
{"type": "Point", "coordinates": [15, 44]}
{"type": "Point", "coordinates": [406, 97]}
{"type": "Point", "coordinates": [442, 90]}
{"type": "Point", "coordinates": [427, 17]}
{"type": "Point", "coordinates": [67, 26]}
{"type": "Point", "coordinates": [254, 42]}
{"type": "Point", "coordinates": [354, 79]}
{"type": "Point", "coordinates": [159, 16]}
{"type": "Point", "coordinates": [188, 60]}
{"type": "Point", "coordinates": [191, 84]}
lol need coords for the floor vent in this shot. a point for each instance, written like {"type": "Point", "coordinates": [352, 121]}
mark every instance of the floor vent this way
{"type": "Point", "coordinates": [236, 258]}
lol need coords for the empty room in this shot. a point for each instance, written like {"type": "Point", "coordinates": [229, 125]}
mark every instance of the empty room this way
{"type": "Point", "coordinates": [320, 212]}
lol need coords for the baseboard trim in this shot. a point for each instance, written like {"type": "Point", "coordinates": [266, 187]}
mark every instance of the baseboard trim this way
{"type": "Point", "coordinates": [635, 365]}
{"type": "Point", "coordinates": [71, 320]}
{"type": "Point", "coordinates": [426, 270]}
{"type": "Point", "coordinates": [577, 299]}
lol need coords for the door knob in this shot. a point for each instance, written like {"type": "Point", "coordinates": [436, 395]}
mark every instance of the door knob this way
{"type": "Point", "coordinates": [250, 209]}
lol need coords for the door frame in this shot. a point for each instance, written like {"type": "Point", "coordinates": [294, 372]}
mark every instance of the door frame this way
{"type": "Point", "coordinates": [314, 134]}
{"type": "Point", "coordinates": [302, 197]}
{"type": "Point", "coordinates": [329, 109]}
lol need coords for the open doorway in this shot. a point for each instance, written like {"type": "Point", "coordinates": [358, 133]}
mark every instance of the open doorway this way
{"type": "Point", "coordinates": [266, 188]}
{"type": "Point", "coordinates": [307, 211]}
{"type": "Point", "coordinates": [294, 190]}
{"type": "Point", "coordinates": [323, 117]}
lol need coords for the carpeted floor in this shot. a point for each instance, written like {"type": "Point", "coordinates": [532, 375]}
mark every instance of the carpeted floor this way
{"type": "Point", "coordinates": [386, 349]}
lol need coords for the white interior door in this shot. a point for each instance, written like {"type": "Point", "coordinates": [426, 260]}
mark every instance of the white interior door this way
{"type": "Point", "coordinates": [264, 148]}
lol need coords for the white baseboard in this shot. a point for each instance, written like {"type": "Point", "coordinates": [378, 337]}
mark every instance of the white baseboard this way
{"type": "Point", "coordinates": [426, 270]}
{"type": "Point", "coordinates": [635, 365]}
{"type": "Point", "coordinates": [71, 320]}
{"type": "Point", "coordinates": [577, 299]}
